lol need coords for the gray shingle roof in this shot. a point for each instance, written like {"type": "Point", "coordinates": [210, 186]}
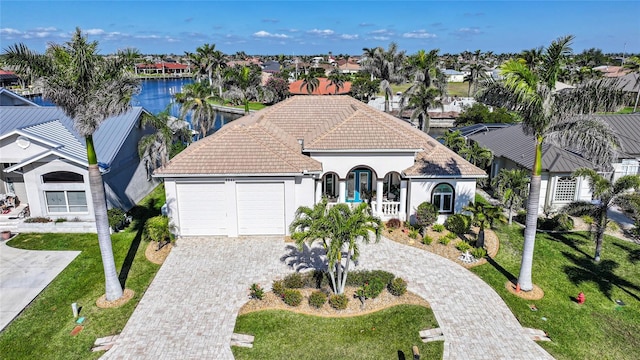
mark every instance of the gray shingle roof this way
{"type": "Point", "coordinates": [627, 126]}
{"type": "Point", "coordinates": [107, 139]}
{"type": "Point", "coordinates": [513, 144]}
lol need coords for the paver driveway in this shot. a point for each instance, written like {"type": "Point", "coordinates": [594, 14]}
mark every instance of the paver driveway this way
{"type": "Point", "coordinates": [189, 310]}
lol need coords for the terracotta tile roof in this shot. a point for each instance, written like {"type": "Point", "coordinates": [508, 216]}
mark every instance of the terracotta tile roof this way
{"type": "Point", "coordinates": [266, 142]}
{"type": "Point", "coordinates": [324, 88]}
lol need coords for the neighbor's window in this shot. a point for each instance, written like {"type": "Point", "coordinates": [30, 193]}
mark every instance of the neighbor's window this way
{"type": "Point", "coordinates": [565, 189]}
{"type": "Point", "coordinates": [330, 185]}
{"type": "Point", "coordinates": [62, 177]}
{"type": "Point", "coordinates": [443, 198]}
{"type": "Point", "coordinates": [66, 201]}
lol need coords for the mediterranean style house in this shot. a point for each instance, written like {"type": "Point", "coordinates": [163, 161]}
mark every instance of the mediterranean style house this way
{"type": "Point", "coordinates": [250, 177]}
{"type": "Point", "coordinates": [43, 160]}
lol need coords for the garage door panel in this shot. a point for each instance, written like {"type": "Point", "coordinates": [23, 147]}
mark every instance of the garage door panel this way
{"type": "Point", "coordinates": [202, 209]}
{"type": "Point", "coordinates": [260, 208]}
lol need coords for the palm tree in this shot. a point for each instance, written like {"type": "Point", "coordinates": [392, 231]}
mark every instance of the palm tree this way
{"type": "Point", "coordinates": [309, 81]}
{"type": "Point", "coordinates": [512, 187]}
{"type": "Point", "coordinates": [473, 77]}
{"type": "Point", "coordinates": [195, 99]}
{"type": "Point", "coordinates": [337, 79]}
{"type": "Point", "coordinates": [244, 82]}
{"type": "Point", "coordinates": [339, 228]}
{"type": "Point", "coordinates": [560, 117]}
{"type": "Point", "coordinates": [532, 58]}
{"type": "Point", "coordinates": [484, 215]}
{"type": "Point", "coordinates": [154, 148]}
{"type": "Point", "coordinates": [453, 140]}
{"type": "Point", "coordinates": [477, 155]}
{"type": "Point", "coordinates": [89, 89]}
{"type": "Point", "coordinates": [420, 101]}
{"type": "Point", "coordinates": [385, 66]}
{"type": "Point", "coordinates": [607, 194]}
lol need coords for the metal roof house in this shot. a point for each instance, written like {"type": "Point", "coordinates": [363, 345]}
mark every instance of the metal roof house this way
{"type": "Point", "coordinates": [43, 161]}
{"type": "Point", "coordinates": [250, 177]}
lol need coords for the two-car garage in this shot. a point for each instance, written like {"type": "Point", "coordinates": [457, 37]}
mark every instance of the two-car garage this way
{"type": "Point", "coordinates": [230, 208]}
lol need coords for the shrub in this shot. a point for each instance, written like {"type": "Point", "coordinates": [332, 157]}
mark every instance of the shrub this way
{"type": "Point", "coordinates": [374, 288]}
{"type": "Point", "coordinates": [426, 214]}
{"type": "Point", "coordinates": [361, 277]}
{"type": "Point", "coordinates": [394, 223]}
{"type": "Point", "coordinates": [292, 297]}
{"type": "Point", "coordinates": [458, 223]}
{"type": "Point", "coordinates": [317, 299]}
{"type": "Point", "coordinates": [60, 220]}
{"type": "Point", "coordinates": [256, 292]}
{"type": "Point", "coordinates": [157, 229]}
{"type": "Point", "coordinates": [588, 219]}
{"type": "Point", "coordinates": [294, 281]}
{"type": "Point", "coordinates": [38, 219]}
{"type": "Point", "coordinates": [521, 216]}
{"type": "Point", "coordinates": [445, 240]}
{"type": "Point", "coordinates": [478, 253]}
{"type": "Point", "coordinates": [463, 246]}
{"type": "Point", "coordinates": [398, 287]}
{"type": "Point", "coordinates": [278, 287]}
{"type": "Point", "coordinates": [413, 233]}
{"type": "Point", "coordinates": [438, 228]}
{"type": "Point", "coordinates": [116, 218]}
{"type": "Point", "coordinates": [559, 222]}
{"type": "Point", "coordinates": [451, 236]}
{"type": "Point", "coordinates": [427, 240]}
{"type": "Point", "coordinates": [339, 302]}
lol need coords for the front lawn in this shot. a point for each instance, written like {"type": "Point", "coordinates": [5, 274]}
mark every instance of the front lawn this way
{"type": "Point", "coordinates": [563, 267]}
{"type": "Point", "coordinates": [386, 334]}
{"type": "Point", "coordinates": [42, 331]}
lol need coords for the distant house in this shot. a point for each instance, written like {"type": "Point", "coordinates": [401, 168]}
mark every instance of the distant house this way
{"type": "Point", "coordinates": [171, 68]}
{"type": "Point", "coordinates": [627, 126]}
{"type": "Point", "coordinates": [271, 66]}
{"type": "Point", "coordinates": [454, 76]}
{"type": "Point", "coordinates": [43, 160]}
{"type": "Point", "coordinates": [512, 149]}
{"type": "Point", "coordinates": [8, 78]}
{"type": "Point", "coordinates": [251, 176]}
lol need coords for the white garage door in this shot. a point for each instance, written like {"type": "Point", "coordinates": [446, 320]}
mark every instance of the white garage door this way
{"type": "Point", "coordinates": [202, 209]}
{"type": "Point", "coordinates": [260, 208]}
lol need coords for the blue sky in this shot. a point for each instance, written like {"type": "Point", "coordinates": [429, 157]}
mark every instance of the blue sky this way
{"type": "Point", "coordinates": [317, 27]}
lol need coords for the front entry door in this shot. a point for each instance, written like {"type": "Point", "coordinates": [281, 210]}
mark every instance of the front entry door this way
{"type": "Point", "coordinates": [358, 185]}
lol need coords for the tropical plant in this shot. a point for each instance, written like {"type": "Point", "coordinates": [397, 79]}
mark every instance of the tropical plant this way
{"type": "Point", "coordinates": [477, 155]}
{"type": "Point", "coordinates": [89, 88]}
{"type": "Point", "coordinates": [484, 215]}
{"type": "Point", "coordinates": [607, 194]}
{"type": "Point", "coordinates": [154, 149]}
{"type": "Point", "coordinates": [426, 215]}
{"type": "Point", "coordinates": [309, 82]}
{"type": "Point", "coordinates": [279, 87]}
{"type": "Point", "coordinates": [453, 140]}
{"type": "Point", "coordinates": [337, 79]}
{"type": "Point", "coordinates": [363, 87]}
{"type": "Point", "coordinates": [244, 84]}
{"type": "Point", "coordinates": [195, 99]}
{"type": "Point", "coordinates": [474, 76]}
{"type": "Point", "coordinates": [208, 62]}
{"type": "Point", "coordinates": [512, 186]}
{"type": "Point", "coordinates": [339, 229]}
{"type": "Point", "coordinates": [158, 229]}
{"type": "Point", "coordinates": [419, 101]}
{"type": "Point", "coordinates": [550, 116]}
{"type": "Point", "coordinates": [385, 66]}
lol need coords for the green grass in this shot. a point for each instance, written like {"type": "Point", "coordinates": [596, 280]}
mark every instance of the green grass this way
{"type": "Point", "coordinates": [563, 267]}
{"type": "Point", "coordinates": [283, 334]}
{"type": "Point", "coordinates": [626, 110]}
{"type": "Point", "coordinates": [42, 330]}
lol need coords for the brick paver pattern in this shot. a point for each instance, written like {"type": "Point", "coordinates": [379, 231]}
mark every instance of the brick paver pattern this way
{"type": "Point", "coordinates": [190, 309]}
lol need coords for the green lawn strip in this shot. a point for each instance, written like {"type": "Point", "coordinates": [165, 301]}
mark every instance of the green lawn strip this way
{"type": "Point", "coordinates": [42, 330]}
{"type": "Point", "coordinates": [563, 267]}
{"type": "Point", "coordinates": [283, 334]}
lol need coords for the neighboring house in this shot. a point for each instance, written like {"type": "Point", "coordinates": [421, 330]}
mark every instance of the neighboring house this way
{"type": "Point", "coordinates": [43, 160]}
{"type": "Point", "coordinates": [512, 149]}
{"type": "Point", "coordinates": [163, 67]}
{"type": "Point", "coordinates": [627, 127]}
{"type": "Point", "coordinates": [251, 176]}
{"type": "Point", "coordinates": [271, 66]}
{"type": "Point", "coordinates": [453, 75]}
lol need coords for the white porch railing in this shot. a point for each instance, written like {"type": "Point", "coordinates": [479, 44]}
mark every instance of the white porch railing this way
{"type": "Point", "coordinates": [390, 209]}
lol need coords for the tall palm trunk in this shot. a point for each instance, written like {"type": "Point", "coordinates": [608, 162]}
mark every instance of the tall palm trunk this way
{"type": "Point", "coordinates": [602, 226]}
{"type": "Point", "coordinates": [386, 102]}
{"type": "Point", "coordinates": [480, 241]}
{"type": "Point", "coordinates": [112, 284]}
{"type": "Point", "coordinates": [533, 204]}
{"type": "Point", "coordinates": [511, 212]}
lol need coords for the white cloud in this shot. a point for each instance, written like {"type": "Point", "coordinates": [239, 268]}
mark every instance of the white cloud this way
{"type": "Point", "coordinates": [381, 38]}
{"type": "Point", "coordinates": [9, 31]}
{"type": "Point", "coordinates": [265, 34]}
{"type": "Point", "coordinates": [349, 36]}
{"type": "Point", "coordinates": [94, 32]}
{"type": "Point", "coordinates": [469, 31]}
{"type": "Point", "coordinates": [325, 32]}
{"type": "Point", "coordinates": [418, 34]}
{"type": "Point", "coordinates": [48, 29]}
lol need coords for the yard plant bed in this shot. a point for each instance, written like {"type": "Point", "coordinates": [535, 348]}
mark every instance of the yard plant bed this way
{"type": "Point", "coordinates": [385, 334]}
{"type": "Point", "coordinates": [448, 251]}
{"type": "Point", "coordinates": [563, 266]}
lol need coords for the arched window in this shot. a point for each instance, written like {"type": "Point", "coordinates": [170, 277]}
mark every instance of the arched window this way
{"type": "Point", "coordinates": [62, 177]}
{"type": "Point", "coordinates": [442, 198]}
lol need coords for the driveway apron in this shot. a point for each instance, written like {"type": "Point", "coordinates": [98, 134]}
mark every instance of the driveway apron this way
{"type": "Point", "coordinates": [190, 309]}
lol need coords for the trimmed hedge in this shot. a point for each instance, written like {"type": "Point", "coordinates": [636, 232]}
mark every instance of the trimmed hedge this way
{"type": "Point", "coordinates": [292, 297]}
{"type": "Point", "coordinates": [458, 223]}
{"type": "Point", "coordinates": [317, 299]}
{"type": "Point", "coordinates": [339, 302]}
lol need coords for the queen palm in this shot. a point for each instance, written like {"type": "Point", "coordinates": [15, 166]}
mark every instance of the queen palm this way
{"type": "Point", "coordinates": [607, 193]}
{"type": "Point", "coordinates": [337, 79]}
{"type": "Point", "coordinates": [154, 148]}
{"type": "Point", "coordinates": [195, 99]}
{"type": "Point", "coordinates": [453, 140]}
{"type": "Point", "coordinates": [558, 117]}
{"type": "Point", "coordinates": [244, 85]}
{"type": "Point", "coordinates": [484, 215]}
{"type": "Point", "coordinates": [309, 82]}
{"type": "Point", "coordinates": [419, 102]}
{"type": "Point", "coordinates": [512, 186]}
{"type": "Point", "coordinates": [476, 154]}
{"type": "Point", "coordinates": [385, 66]}
{"type": "Point", "coordinates": [89, 89]}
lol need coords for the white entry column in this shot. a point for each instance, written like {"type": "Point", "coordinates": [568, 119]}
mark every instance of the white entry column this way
{"type": "Point", "coordinates": [318, 191]}
{"type": "Point", "coordinates": [379, 190]}
{"type": "Point", "coordinates": [403, 200]}
{"type": "Point", "coordinates": [342, 188]}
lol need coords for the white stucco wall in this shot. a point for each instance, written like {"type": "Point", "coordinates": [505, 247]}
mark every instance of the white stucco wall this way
{"type": "Point", "coordinates": [420, 190]}
{"type": "Point", "coordinates": [10, 152]}
{"type": "Point", "coordinates": [381, 163]}
{"type": "Point", "coordinates": [299, 191]}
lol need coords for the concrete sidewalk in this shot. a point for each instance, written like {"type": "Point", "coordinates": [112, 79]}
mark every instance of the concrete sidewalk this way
{"type": "Point", "coordinates": [24, 274]}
